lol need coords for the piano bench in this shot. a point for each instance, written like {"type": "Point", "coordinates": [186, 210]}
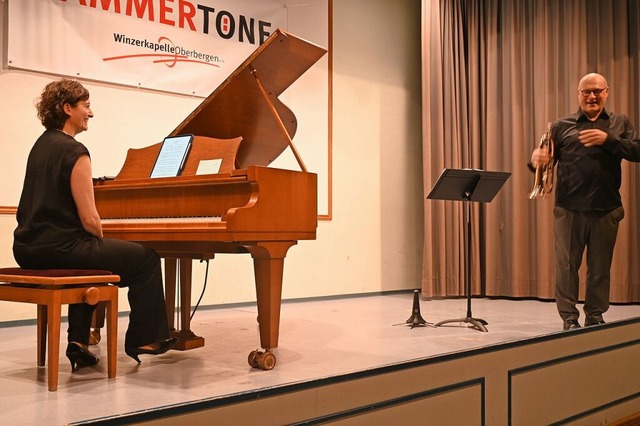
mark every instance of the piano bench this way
{"type": "Point", "coordinates": [50, 289]}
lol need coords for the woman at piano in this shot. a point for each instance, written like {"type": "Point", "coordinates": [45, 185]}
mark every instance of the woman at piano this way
{"type": "Point", "coordinates": [59, 228]}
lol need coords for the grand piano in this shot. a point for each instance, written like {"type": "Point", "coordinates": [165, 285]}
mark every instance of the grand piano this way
{"type": "Point", "coordinates": [245, 207]}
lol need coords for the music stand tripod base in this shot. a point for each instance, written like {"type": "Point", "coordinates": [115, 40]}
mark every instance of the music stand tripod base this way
{"type": "Point", "coordinates": [477, 323]}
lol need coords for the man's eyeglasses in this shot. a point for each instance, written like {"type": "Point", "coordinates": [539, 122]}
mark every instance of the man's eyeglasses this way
{"type": "Point", "coordinates": [596, 92]}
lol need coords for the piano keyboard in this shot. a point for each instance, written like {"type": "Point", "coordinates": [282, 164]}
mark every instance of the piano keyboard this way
{"type": "Point", "coordinates": [152, 220]}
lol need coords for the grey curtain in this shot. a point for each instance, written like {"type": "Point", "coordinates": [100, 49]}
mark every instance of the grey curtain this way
{"type": "Point", "coordinates": [495, 72]}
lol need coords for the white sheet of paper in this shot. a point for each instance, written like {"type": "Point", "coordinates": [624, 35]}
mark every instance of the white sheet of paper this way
{"type": "Point", "coordinates": [209, 167]}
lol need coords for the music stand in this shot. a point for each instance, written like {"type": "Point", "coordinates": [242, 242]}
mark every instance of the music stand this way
{"type": "Point", "coordinates": [468, 185]}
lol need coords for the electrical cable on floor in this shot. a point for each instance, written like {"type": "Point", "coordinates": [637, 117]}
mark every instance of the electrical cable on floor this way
{"type": "Point", "coordinates": [204, 287]}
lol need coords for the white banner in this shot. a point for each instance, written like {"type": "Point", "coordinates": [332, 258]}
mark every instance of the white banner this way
{"type": "Point", "coordinates": [180, 46]}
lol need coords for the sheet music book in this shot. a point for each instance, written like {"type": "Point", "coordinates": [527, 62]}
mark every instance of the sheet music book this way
{"type": "Point", "coordinates": [172, 156]}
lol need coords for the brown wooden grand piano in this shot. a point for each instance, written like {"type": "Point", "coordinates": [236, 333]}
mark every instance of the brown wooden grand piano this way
{"type": "Point", "coordinates": [245, 208]}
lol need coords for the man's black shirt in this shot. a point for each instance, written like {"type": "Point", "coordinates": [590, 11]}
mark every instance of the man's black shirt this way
{"type": "Point", "coordinates": [588, 179]}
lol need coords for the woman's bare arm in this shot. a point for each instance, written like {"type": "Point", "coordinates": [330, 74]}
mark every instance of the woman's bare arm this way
{"type": "Point", "coordinates": [82, 191]}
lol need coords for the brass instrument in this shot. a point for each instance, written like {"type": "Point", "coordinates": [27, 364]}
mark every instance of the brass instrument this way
{"type": "Point", "coordinates": [543, 184]}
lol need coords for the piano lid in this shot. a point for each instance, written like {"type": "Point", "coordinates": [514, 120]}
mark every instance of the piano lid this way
{"type": "Point", "coordinates": [238, 108]}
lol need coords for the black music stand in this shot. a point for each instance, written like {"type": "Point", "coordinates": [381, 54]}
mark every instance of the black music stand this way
{"type": "Point", "coordinates": [468, 185]}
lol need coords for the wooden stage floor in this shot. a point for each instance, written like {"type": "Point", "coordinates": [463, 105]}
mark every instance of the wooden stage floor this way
{"type": "Point", "coordinates": [318, 339]}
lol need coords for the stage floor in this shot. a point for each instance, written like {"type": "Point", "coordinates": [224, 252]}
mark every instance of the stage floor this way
{"type": "Point", "coordinates": [318, 339]}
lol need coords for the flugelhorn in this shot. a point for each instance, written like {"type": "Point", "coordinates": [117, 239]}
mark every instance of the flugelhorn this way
{"type": "Point", "coordinates": [543, 184]}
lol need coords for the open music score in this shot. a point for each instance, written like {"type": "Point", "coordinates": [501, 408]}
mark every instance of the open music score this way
{"type": "Point", "coordinates": [245, 208]}
{"type": "Point", "coordinates": [172, 156]}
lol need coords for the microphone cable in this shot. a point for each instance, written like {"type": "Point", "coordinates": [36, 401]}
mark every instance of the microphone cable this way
{"type": "Point", "coordinates": [204, 287]}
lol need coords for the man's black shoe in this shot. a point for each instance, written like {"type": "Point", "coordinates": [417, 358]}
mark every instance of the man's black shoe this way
{"type": "Point", "coordinates": [589, 322]}
{"type": "Point", "coordinates": [571, 324]}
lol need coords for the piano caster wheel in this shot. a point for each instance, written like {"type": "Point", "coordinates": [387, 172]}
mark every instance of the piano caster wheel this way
{"type": "Point", "coordinates": [253, 359]}
{"type": "Point", "coordinates": [262, 360]}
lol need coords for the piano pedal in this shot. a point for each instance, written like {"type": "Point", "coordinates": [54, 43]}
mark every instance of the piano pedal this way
{"type": "Point", "coordinates": [264, 360]}
{"type": "Point", "coordinates": [94, 336]}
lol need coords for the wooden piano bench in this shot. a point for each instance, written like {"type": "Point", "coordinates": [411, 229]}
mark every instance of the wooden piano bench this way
{"type": "Point", "coordinates": [50, 289]}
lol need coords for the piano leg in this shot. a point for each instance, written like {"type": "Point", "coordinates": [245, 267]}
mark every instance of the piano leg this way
{"type": "Point", "coordinates": [170, 269]}
{"type": "Point", "coordinates": [268, 261]}
{"type": "Point", "coordinates": [188, 339]}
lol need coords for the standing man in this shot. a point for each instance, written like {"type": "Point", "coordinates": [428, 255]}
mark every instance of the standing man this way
{"type": "Point", "coordinates": [589, 147]}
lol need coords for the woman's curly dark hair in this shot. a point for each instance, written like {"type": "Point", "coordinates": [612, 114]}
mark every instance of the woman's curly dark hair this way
{"type": "Point", "coordinates": [55, 95]}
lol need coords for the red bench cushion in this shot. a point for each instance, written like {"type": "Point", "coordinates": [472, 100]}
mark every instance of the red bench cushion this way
{"type": "Point", "coordinates": [53, 272]}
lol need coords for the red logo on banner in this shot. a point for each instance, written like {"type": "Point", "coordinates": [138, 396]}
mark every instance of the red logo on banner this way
{"type": "Point", "coordinates": [169, 54]}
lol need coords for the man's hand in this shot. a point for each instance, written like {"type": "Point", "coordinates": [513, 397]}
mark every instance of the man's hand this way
{"type": "Point", "coordinates": [539, 156]}
{"type": "Point", "coordinates": [592, 137]}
